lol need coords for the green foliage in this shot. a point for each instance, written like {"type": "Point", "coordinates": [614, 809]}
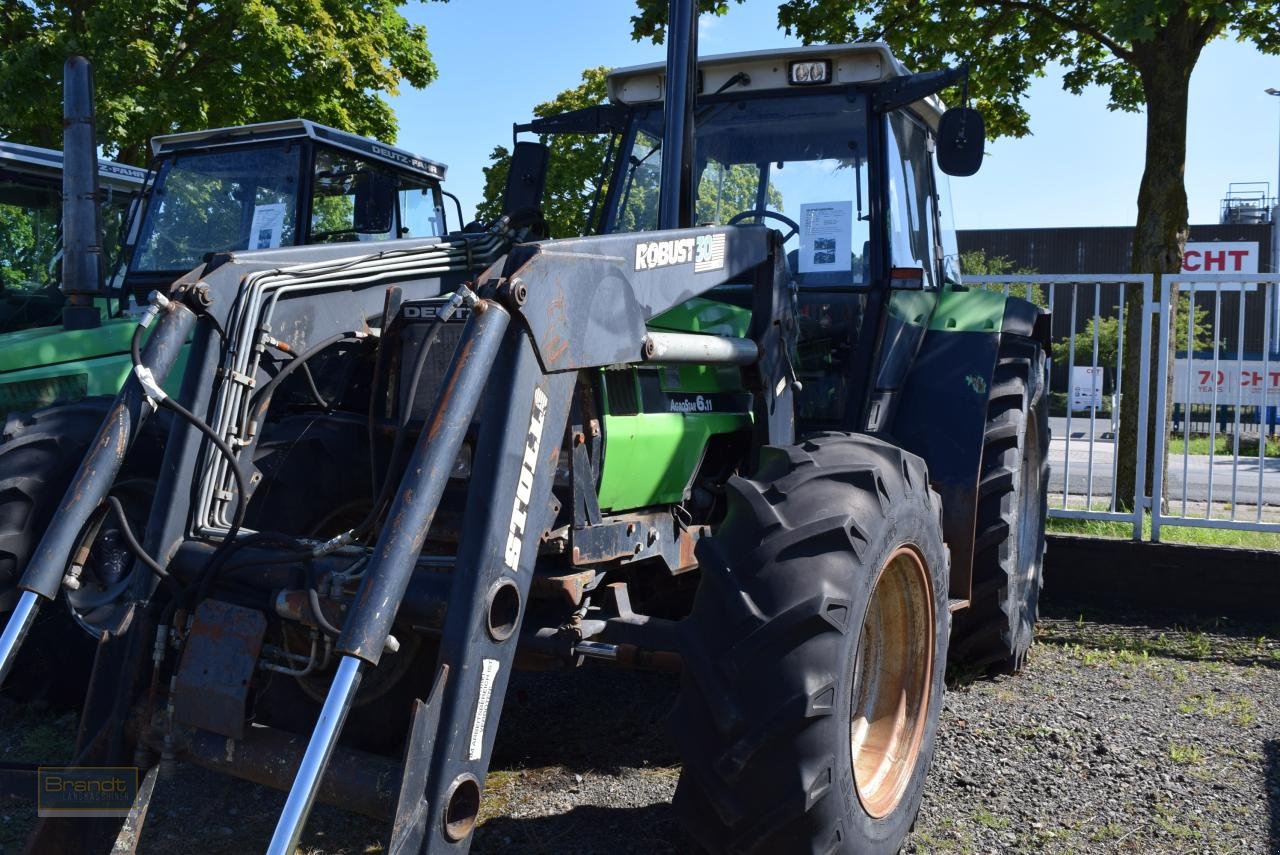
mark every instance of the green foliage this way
{"type": "Point", "coordinates": [574, 176]}
{"type": "Point", "coordinates": [29, 240]}
{"type": "Point", "coordinates": [724, 192]}
{"type": "Point", "coordinates": [1109, 337]}
{"type": "Point", "coordinates": [165, 65]}
{"type": "Point", "coordinates": [976, 263]}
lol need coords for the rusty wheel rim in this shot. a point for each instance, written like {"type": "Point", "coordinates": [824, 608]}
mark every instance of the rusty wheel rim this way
{"type": "Point", "coordinates": [894, 670]}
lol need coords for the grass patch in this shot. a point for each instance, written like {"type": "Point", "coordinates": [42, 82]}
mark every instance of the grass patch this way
{"type": "Point", "coordinates": [987, 819]}
{"type": "Point", "coordinates": [1168, 533]}
{"type": "Point", "coordinates": [1223, 444]}
{"type": "Point", "coordinates": [1185, 755]}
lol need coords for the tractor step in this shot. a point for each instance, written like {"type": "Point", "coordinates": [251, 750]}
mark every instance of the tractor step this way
{"type": "Point", "coordinates": [954, 605]}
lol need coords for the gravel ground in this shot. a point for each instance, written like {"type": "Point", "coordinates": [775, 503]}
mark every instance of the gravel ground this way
{"type": "Point", "coordinates": [1126, 733]}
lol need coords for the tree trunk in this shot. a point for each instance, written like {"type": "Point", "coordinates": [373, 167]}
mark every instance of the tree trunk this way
{"type": "Point", "coordinates": [1165, 65]}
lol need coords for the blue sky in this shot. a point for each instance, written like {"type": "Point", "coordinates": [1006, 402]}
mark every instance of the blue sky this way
{"type": "Point", "coordinates": [1080, 167]}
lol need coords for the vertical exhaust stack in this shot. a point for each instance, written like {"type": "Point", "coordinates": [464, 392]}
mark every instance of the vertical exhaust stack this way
{"type": "Point", "coordinates": [81, 223]}
{"type": "Point", "coordinates": [675, 199]}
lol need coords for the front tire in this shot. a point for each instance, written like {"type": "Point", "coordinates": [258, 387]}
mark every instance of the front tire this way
{"type": "Point", "coordinates": [814, 654]}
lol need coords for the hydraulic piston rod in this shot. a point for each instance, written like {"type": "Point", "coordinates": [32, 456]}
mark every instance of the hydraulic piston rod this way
{"type": "Point", "coordinates": [394, 557]}
{"type": "Point", "coordinates": [700, 349]}
{"type": "Point", "coordinates": [24, 614]}
{"type": "Point", "coordinates": [323, 740]}
{"type": "Point", "coordinates": [94, 479]}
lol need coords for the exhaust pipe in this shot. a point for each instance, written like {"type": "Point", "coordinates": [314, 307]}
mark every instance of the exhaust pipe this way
{"type": "Point", "coordinates": [675, 197]}
{"type": "Point", "coordinates": [81, 217]}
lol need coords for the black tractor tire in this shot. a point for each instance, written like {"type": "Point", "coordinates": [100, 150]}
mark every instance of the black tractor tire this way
{"type": "Point", "coordinates": [39, 455]}
{"type": "Point", "coordinates": [788, 621]}
{"type": "Point", "coordinates": [996, 631]}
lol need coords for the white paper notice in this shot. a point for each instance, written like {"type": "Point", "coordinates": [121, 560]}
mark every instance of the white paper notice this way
{"type": "Point", "coordinates": [267, 227]}
{"type": "Point", "coordinates": [826, 230]}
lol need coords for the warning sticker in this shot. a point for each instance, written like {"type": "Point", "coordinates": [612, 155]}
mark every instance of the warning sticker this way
{"type": "Point", "coordinates": [488, 673]}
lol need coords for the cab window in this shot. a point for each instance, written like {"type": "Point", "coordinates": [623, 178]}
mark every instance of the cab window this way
{"type": "Point", "coordinates": [911, 212]}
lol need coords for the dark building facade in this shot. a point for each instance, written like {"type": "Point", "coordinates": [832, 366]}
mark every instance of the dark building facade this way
{"type": "Point", "coordinates": [1108, 249]}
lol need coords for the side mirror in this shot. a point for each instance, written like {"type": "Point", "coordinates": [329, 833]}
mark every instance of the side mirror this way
{"type": "Point", "coordinates": [961, 136]}
{"type": "Point", "coordinates": [526, 177]}
{"type": "Point", "coordinates": [375, 203]}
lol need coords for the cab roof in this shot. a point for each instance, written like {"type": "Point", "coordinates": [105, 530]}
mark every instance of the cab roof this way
{"type": "Point", "coordinates": [861, 62]}
{"type": "Point", "coordinates": [47, 163]}
{"type": "Point", "coordinates": [300, 129]}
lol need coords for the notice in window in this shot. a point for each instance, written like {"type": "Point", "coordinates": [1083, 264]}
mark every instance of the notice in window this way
{"type": "Point", "coordinates": [267, 227]}
{"type": "Point", "coordinates": [825, 236]}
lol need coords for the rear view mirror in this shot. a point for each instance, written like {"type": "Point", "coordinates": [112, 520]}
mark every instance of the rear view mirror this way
{"type": "Point", "coordinates": [961, 137]}
{"type": "Point", "coordinates": [526, 177]}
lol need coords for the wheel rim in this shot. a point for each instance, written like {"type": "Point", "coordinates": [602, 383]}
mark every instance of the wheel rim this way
{"type": "Point", "coordinates": [1029, 522]}
{"type": "Point", "coordinates": [894, 671]}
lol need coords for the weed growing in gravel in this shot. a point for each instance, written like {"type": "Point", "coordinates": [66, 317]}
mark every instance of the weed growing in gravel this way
{"type": "Point", "coordinates": [1110, 831]}
{"type": "Point", "coordinates": [987, 819]}
{"type": "Point", "coordinates": [1199, 644]}
{"type": "Point", "coordinates": [1185, 755]}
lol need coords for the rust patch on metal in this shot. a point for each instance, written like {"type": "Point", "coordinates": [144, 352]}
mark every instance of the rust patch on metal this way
{"type": "Point", "coordinates": [463, 356]}
{"type": "Point", "coordinates": [570, 587]}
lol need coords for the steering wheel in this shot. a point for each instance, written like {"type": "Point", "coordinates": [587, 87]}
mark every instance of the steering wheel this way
{"type": "Point", "coordinates": [762, 214]}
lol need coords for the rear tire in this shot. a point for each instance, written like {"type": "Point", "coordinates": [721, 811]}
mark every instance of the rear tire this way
{"type": "Point", "coordinates": [828, 571]}
{"type": "Point", "coordinates": [996, 631]}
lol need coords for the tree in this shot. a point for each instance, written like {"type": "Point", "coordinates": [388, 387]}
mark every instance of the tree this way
{"type": "Point", "coordinates": [166, 65]}
{"type": "Point", "coordinates": [976, 263]}
{"type": "Point", "coordinates": [574, 178]}
{"type": "Point", "coordinates": [1109, 337]}
{"type": "Point", "coordinates": [1142, 53]}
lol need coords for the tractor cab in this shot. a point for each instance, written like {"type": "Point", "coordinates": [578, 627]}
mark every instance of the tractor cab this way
{"type": "Point", "coordinates": [31, 229]}
{"type": "Point", "coordinates": [276, 184]}
{"type": "Point", "coordinates": [833, 146]}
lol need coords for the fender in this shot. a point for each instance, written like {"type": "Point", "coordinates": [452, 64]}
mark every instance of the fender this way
{"type": "Point", "coordinates": [942, 408]}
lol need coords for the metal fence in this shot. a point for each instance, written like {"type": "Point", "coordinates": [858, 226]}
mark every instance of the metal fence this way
{"type": "Point", "coordinates": [1239, 490]}
{"type": "Point", "coordinates": [1221, 464]}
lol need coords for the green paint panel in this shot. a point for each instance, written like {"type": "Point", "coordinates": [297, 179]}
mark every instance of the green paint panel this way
{"type": "Point", "coordinates": [912, 307]}
{"type": "Point", "coordinates": [650, 459]}
{"type": "Point", "coordinates": [50, 365]}
{"type": "Point", "coordinates": [974, 310]}
{"type": "Point", "coordinates": [53, 345]}
{"type": "Point", "coordinates": [656, 455]}
{"type": "Point", "coordinates": [701, 315]}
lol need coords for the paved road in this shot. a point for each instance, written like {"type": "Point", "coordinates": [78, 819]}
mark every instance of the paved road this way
{"type": "Point", "coordinates": [1198, 472]}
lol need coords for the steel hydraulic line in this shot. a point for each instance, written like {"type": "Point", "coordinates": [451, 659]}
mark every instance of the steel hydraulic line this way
{"type": "Point", "coordinates": [308, 278]}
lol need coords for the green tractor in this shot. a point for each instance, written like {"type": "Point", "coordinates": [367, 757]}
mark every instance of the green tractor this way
{"type": "Point", "coordinates": [777, 460]}
{"type": "Point", "coordinates": [31, 239]}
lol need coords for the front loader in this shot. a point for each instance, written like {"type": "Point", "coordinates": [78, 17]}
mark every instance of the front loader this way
{"type": "Point", "coordinates": [65, 352]}
{"type": "Point", "coordinates": [777, 461]}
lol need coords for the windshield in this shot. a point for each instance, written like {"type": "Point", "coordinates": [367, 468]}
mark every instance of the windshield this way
{"type": "Point", "coordinates": [31, 248]}
{"type": "Point", "coordinates": [795, 162]}
{"type": "Point", "coordinates": [213, 201]}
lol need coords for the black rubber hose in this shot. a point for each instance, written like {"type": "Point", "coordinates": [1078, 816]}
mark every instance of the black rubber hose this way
{"type": "Point", "coordinates": [258, 406]}
{"type": "Point", "coordinates": [131, 540]}
{"type": "Point", "coordinates": [397, 444]}
{"type": "Point", "coordinates": [242, 487]}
